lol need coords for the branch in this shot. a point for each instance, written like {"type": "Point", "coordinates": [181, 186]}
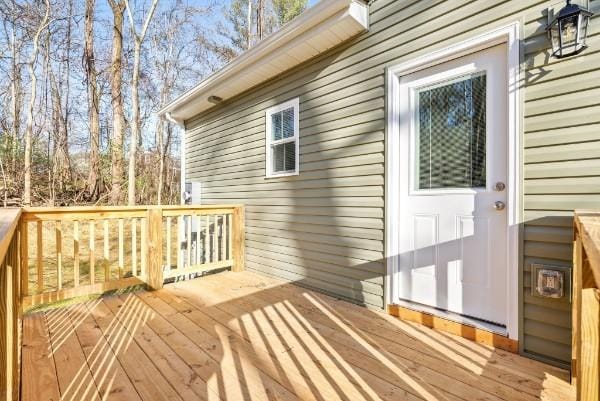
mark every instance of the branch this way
{"type": "Point", "coordinates": [139, 38]}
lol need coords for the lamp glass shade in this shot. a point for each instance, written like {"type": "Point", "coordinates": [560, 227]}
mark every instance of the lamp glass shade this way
{"type": "Point", "coordinates": [568, 31]}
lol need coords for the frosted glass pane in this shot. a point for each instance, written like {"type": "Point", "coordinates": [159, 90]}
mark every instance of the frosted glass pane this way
{"type": "Point", "coordinates": [451, 134]}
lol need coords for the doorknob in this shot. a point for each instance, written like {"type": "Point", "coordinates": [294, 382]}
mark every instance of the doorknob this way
{"type": "Point", "coordinates": [499, 205]}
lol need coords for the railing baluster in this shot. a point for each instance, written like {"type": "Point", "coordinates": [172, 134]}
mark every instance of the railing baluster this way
{"type": "Point", "coordinates": [222, 231]}
{"type": "Point", "coordinates": [168, 243]}
{"type": "Point", "coordinates": [59, 270]}
{"type": "Point", "coordinates": [39, 256]}
{"type": "Point", "coordinates": [92, 248]}
{"type": "Point", "coordinates": [76, 253]}
{"type": "Point", "coordinates": [188, 240]}
{"type": "Point", "coordinates": [121, 249]}
{"type": "Point", "coordinates": [198, 235]}
{"type": "Point", "coordinates": [106, 249]}
{"type": "Point", "coordinates": [179, 241]}
{"type": "Point", "coordinates": [238, 229]}
{"type": "Point", "coordinates": [230, 238]}
{"type": "Point", "coordinates": [206, 238]}
{"type": "Point", "coordinates": [106, 253]}
{"type": "Point", "coordinates": [215, 244]}
{"type": "Point", "coordinates": [133, 247]}
{"type": "Point", "coordinates": [144, 247]}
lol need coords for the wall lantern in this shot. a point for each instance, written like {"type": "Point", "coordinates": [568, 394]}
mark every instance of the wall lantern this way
{"type": "Point", "coordinates": [568, 30]}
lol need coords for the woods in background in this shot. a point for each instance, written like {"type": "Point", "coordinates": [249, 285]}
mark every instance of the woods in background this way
{"type": "Point", "coordinates": [81, 81]}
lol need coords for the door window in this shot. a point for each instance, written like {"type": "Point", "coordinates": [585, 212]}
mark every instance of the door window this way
{"type": "Point", "coordinates": [450, 134]}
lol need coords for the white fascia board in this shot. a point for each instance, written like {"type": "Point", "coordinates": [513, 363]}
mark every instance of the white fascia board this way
{"type": "Point", "coordinates": [247, 70]}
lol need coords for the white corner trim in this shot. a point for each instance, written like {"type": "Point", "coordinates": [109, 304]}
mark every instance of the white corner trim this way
{"type": "Point", "coordinates": [511, 36]}
{"type": "Point", "coordinates": [295, 104]}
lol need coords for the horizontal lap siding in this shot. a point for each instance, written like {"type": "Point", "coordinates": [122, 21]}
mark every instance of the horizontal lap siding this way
{"type": "Point", "coordinates": [324, 228]}
{"type": "Point", "coordinates": [562, 173]}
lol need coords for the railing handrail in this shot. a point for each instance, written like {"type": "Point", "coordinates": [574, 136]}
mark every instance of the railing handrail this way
{"type": "Point", "coordinates": [99, 209]}
{"type": "Point", "coordinates": [9, 221]}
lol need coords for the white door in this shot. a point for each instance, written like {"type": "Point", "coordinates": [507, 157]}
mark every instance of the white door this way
{"type": "Point", "coordinates": [453, 175]}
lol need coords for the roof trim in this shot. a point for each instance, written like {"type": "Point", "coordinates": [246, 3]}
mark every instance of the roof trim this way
{"type": "Point", "coordinates": [271, 57]}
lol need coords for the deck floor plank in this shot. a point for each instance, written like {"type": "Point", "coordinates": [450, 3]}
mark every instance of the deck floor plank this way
{"type": "Point", "coordinates": [39, 381]}
{"type": "Point", "coordinates": [513, 382]}
{"type": "Point", "coordinates": [217, 323]}
{"type": "Point", "coordinates": [108, 373]}
{"type": "Point", "coordinates": [309, 349]}
{"type": "Point", "coordinates": [149, 383]}
{"type": "Point", "coordinates": [237, 376]}
{"type": "Point", "coordinates": [136, 319]}
{"type": "Point", "coordinates": [244, 336]}
{"type": "Point", "coordinates": [75, 379]}
{"type": "Point", "coordinates": [361, 349]}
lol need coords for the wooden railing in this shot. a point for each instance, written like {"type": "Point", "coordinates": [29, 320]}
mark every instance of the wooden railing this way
{"type": "Point", "coordinates": [52, 254]}
{"type": "Point", "coordinates": [10, 304]}
{"type": "Point", "coordinates": [69, 252]}
{"type": "Point", "coordinates": [586, 306]}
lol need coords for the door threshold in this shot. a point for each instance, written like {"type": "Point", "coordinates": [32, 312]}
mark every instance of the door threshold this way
{"type": "Point", "coordinates": [473, 329]}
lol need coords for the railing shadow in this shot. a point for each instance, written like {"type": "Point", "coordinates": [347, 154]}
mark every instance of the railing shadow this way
{"type": "Point", "coordinates": [240, 336]}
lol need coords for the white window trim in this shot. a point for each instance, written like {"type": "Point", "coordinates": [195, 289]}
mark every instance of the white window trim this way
{"type": "Point", "coordinates": [511, 36]}
{"type": "Point", "coordinates": [269, 173]}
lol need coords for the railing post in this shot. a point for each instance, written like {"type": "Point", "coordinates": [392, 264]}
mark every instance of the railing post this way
{"type": "Point", "coordinates": [238, 230]}
{"type": "Point", "coordinates": [155, 247]}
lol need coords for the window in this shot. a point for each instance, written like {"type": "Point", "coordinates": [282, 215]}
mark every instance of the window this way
{"type": "Point", "coordinates": [451, 134]}
{"type": "Point", "coordinates": [282, 139]}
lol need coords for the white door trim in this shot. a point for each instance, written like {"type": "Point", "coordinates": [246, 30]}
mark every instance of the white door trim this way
{"type": "Point", "coordinates": [509, 35]}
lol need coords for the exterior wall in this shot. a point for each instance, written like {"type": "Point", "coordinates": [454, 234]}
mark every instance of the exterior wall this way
{"type": "Point", "coordinates": [324, 228]}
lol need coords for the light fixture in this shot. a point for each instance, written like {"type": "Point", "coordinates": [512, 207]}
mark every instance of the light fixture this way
{"type": "Point", "coordinates": [568, 30]}
{"type": "Point", "coordinates": [214, 99]}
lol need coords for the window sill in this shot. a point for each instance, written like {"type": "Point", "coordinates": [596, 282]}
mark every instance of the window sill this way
{"type": "Point", "coordinates": [271, 176]}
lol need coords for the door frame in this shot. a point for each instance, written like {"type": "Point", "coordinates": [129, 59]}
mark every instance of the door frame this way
{"type": "Point", "coordinates": [510, 35]}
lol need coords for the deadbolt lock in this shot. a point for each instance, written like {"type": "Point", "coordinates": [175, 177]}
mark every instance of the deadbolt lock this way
{"type": "Point", "coordinates": [500, 186]}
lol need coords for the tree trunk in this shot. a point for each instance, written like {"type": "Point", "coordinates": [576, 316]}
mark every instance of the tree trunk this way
{"type": "Point", "coordinates": [33, 83]}
{"type": "Point", "coordinates": [136, 123]}
{"type": "Point", "coordinates": [135, 97]}
{"type": "Point", "coordinates": [260, 20]}
{"type": "Point", "coordinates": [116, 78]}
{"type": "Point", "coordinates": [16, 101]}
{"type": "Point", "coordinates": [61, 169]}
{"type": "Point", "coordinates": [94, 180]}
{"type": "Point", "coordinates": [161, 162]}
{"type": "Point", "coordinates": [249, 22]}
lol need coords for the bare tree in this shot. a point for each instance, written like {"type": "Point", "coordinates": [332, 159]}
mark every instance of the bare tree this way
{"type": "Point", "coordinates": [43, 24]}
{"type": "Point", "coordinates": [116, 85]}
{"type": "Point", "coordinates": [15, 92]}
{"type": "Point", "coordinates": [94, 180]}
{"type": "Point", "coordinates": [135, 96]}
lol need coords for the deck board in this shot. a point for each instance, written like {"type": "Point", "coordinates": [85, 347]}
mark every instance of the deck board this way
{"type": "Point", "coordinates": [244, 336]}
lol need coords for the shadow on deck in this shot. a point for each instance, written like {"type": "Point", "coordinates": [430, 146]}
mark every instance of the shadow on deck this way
{"type": "Point", "coordinates": [243, 336]}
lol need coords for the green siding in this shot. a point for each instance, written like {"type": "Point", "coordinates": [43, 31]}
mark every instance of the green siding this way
{"type": "Point", "coordinates": [324, 228]}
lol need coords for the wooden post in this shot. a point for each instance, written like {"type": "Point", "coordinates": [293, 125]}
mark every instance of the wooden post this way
{"type": "Point", "coordinates": [238, 230]}
{"type": "Point", "coordinates": [586, 307]}
{"type": "Point", "coordinates": [155, 248]}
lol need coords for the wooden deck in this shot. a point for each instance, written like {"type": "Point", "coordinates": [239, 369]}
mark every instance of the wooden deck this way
{"type": "Point", "coordinates": [242, 336]}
